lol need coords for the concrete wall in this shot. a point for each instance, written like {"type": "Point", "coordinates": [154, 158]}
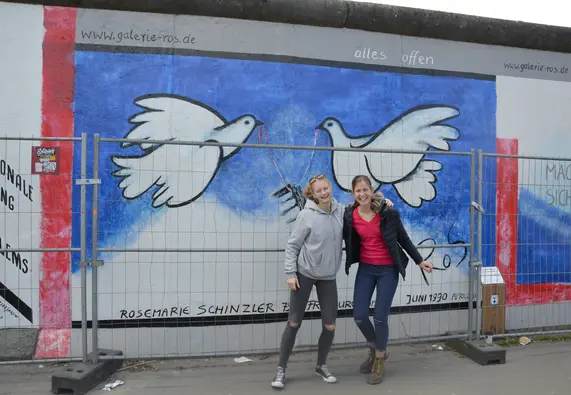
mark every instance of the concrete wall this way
{"type": "Point", "coordinates": [373, 17]}
{"type": "Point", "coordinates": [20, 193]}
{"type": "Point", "coordinates": [162, 76]}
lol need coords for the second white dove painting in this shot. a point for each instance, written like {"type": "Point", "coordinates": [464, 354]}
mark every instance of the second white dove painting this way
{"type": "Point", "coordinates": [412, 176]}
{"type": "Point", "coordinates": [233, 200]}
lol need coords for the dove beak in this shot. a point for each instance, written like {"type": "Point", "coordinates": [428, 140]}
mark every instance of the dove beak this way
{"type": "Point", "coordinates": [321, 126]}
{"type": "Point", "coordinates": [259, 123]}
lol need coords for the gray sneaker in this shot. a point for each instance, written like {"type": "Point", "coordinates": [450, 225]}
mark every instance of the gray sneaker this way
{"type": "Point", "coordinates": [324, 373]}
{"type": "Point", "coordinates": [279, 380]}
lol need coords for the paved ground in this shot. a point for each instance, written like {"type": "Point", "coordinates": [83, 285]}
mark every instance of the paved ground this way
{"type": "Point", "coordinates": [536, 369]}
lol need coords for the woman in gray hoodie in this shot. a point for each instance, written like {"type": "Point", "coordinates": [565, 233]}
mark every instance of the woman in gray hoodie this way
{"type": "Point", "coordinates": [313, 258]}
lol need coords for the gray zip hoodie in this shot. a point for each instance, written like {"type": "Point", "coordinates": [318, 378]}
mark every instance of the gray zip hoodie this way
{"type": "Point", "coordinates": [314, 248]}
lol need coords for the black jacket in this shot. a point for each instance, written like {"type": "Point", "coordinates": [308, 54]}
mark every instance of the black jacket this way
{"type": "Point", "coordinates": [393, 232]}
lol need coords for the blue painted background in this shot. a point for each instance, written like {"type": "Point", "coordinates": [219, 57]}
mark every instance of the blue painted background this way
{"type": "Point", "coordinates": [544, 250]}
{"type": "Point", "coordinates": [291, 99]}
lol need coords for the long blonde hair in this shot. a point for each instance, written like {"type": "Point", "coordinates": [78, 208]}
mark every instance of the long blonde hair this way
{"type": "Point", "coordinates": [376, 199]}
{"type": "Point", "coordinates": [308, 191]}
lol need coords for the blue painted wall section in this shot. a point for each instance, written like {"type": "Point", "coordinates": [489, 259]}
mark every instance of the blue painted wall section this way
{"type": "Point", "coordinates": [291, 100]}
{"type": "Point", "coordinates": [544, 251]}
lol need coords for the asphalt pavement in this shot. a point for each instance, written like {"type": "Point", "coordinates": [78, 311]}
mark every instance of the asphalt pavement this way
{"type": "Point", "coordinates": [535, 369]}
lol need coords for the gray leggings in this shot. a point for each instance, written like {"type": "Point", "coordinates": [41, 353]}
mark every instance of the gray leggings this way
{"type": "Point", "coordinates": [328, 299]}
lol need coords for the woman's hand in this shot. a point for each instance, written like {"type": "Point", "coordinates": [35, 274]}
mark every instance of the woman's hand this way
{"type": "Point", "coordinates": [293, 283]}
{"type": "Point", "coordinates": [389, 203]}
{"type": "Point", "coordinates": [426, 266]}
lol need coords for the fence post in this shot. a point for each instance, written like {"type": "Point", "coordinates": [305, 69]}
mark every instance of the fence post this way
{"type": "Point", "coordinates": [478, 268]}
{"type": "Point", "coordinates": [83, 245]}
{"type": "Point", "coordinates": [471, 261]}
{"type": "Point", "coordinates": [94, 244]}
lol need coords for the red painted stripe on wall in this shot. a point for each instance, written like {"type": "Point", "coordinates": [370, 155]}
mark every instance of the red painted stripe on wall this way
{"type": "Point", "coordinates": [507, 193]}
{"type": "Point", "coordinates": [57, 121]}
{"type": "Point", "coordinates": [507, 196]}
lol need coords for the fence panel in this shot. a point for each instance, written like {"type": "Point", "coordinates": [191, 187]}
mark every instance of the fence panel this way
{"type": "Point", "coordinates": [192, 237]}
{"type": "Point", "coordinates": [526, 244]}
{"type": "Point", "coordinates": [188, 242]}
{"type": "Point", "coordinates": [36, 183]}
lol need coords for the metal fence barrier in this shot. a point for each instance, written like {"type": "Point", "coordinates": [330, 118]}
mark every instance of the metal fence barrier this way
{"type": "Point", "coordinates": [226, 270]}
{"type": "Point", "coordinates": [180, 247]}
{"type": "Point", "coordinates": [35, 244]}
{"type": "Point", "coordinates": [526, 238]}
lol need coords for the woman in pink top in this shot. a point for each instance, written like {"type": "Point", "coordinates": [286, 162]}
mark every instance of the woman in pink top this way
{"type": "Point", "coordinates": [375, 237]}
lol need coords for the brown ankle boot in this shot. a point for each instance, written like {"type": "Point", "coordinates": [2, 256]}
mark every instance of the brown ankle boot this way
{"type": "Point", "coordinates": [377, 372]}
{"type": "Point", "coordinates": [368, 364]}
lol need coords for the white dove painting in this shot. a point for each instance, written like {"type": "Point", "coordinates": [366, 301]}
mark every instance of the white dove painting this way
{"type": "Point", "coordinates": [179, 173]}
{"type": "Point", "coordinates": [411, 175]}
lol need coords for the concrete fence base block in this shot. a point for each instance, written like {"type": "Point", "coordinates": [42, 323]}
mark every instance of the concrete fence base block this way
{"type": "Point", "coordinates": [80, 378]}
{"type": "Point", "coordinates": [479, 351]}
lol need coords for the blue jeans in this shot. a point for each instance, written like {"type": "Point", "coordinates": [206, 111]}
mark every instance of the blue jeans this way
{"type": "Point", "coordinates": [385, 279]}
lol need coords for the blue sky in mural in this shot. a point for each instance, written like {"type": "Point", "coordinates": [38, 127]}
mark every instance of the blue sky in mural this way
{"type": "Point", "coordinates": [291, 99]}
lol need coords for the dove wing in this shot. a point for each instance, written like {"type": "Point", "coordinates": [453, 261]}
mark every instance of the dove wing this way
{"type": "Point", "coordinates": [171, 117]}
{"type": "Point", "coordinates": [419, 130]}
{"type": "Point", "coordinates": [179, 173]}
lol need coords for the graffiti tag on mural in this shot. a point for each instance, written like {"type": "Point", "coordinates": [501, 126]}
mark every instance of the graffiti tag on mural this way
{"type": "Point", "coordinates": [447, 260]}
{"type": "Point", "coordinates": [558, 181]}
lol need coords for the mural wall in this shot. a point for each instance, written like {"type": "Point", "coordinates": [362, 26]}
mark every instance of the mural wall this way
{"type": "Point", "coordinates": [204, 79]}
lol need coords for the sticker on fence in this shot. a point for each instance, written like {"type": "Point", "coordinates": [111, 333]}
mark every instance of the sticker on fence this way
{"type": "Point", "coordinates": [45, 160]}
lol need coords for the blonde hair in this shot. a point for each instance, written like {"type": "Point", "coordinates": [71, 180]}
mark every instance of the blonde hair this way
{"type": "Point", "coordinates": [308, 191]}
{"type": "Point", "coordinates": [376, 199]}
